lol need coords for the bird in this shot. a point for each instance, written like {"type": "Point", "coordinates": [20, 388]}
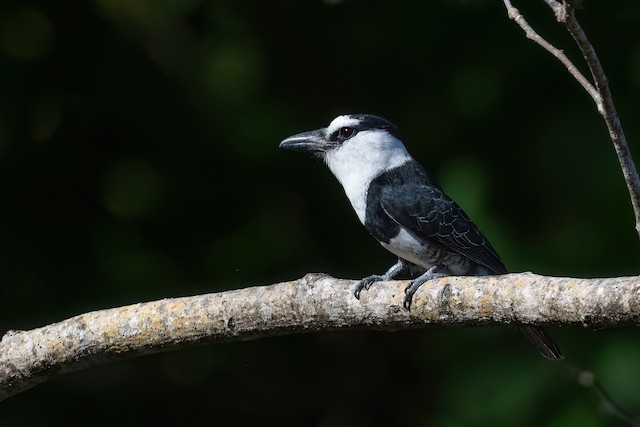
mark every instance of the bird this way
{"type": "Point", "coordinates": [404, 209]}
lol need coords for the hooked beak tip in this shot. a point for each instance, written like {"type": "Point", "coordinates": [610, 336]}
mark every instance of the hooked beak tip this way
{"type": "Point", "coordinates": [306, 142]}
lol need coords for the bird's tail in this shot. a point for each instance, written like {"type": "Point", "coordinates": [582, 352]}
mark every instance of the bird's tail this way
{"type": "Point", "coordinates": [546, 346]}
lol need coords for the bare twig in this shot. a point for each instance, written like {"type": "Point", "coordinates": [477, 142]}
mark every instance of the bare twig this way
{"type": "Point", "coordinates": [599, 91]}
{"type": "Point", "coordinates": [588, 380]}
{"type": "Point", "coordinates": [531, 34]}
{"type": "Point", "coordinates": [313, 303]}
{"type": "Point", "coordinates": [607, 109]}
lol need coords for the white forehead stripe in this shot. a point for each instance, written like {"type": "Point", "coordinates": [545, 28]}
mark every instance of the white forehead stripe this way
{"type": "Point", "coordinates": [341, 122]}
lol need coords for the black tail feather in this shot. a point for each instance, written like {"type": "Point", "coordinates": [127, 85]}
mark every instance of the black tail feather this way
{"type": "Point", "coordinates": [547, 347]}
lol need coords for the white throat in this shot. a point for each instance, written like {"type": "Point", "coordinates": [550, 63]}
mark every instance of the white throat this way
{"type": "Point", "coordinates": [360, 159]}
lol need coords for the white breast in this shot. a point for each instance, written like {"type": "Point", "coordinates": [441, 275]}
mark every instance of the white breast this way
{"type": "Point", "coordinates": [357, 161]}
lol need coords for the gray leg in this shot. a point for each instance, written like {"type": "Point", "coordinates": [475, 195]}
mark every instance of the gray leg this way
{"type": "Point", "coordinates": [417, 282]}
{"type": "Point", "coordinates": [391, 273]}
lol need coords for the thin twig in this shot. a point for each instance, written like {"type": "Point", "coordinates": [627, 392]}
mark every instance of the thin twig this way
{"type": "Point", "coordinates": [607, 109]}
{"type": "Point", "coordinates": [599, 91]}
{"type": "Point", "coordinates": [559, 9]}
{"type": "Point", "coordinates": [531, 34]}
{"type": "Point", "coordinates": [588, 380]}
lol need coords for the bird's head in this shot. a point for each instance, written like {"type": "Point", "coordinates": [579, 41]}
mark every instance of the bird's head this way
{"type": "Point", "coordinates": [352, 143]}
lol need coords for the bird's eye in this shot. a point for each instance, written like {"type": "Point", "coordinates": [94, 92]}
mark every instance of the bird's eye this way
{"type": "Point", "coordinates": [345, 133]}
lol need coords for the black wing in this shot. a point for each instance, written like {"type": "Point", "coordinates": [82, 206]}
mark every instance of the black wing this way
{"type": "Point", "coordinates": [424, 209]}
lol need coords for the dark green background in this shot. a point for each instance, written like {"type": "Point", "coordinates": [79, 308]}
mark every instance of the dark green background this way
{"type": "Point", "coordinates": [139, 160]}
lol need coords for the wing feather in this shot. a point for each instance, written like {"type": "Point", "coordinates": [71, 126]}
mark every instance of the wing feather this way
{"type": "Point", "coordinates": [426, 211]}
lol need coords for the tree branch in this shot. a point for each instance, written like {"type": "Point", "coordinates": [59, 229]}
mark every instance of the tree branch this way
{"type": "Point", "coordinates": [601, 94]}
{"type": "Point", "coordinates": [607, 109]}
{"type": "Point", "coordinates": [314, 303]}
{"type": "Point", "coordinates": [531, 34]}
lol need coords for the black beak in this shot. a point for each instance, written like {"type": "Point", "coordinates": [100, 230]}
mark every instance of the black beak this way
{"type": "Point", "coordinates": [313, 141]}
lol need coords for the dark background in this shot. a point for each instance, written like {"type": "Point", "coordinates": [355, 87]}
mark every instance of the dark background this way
{"type": "Point", "coordinates": [139, 160]}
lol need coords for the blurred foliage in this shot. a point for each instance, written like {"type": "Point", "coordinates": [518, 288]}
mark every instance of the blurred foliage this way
{"type": "Point", "coordinates": [139, 160]}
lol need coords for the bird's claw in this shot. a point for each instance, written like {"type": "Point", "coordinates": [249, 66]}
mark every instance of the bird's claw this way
{"type": "Point", "coordinates": [366, 284]}
{"type": "Point", "coordinates": [409, 291]}
{"type": "Point", "coordinates": [413, 286]}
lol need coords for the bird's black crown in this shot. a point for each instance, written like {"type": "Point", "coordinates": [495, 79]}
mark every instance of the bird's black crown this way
{"type": "Point", "coordinates": [371, 121]}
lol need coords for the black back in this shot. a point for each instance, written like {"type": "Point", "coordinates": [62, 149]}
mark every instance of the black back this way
{"type": "Point", "coordinates": [407, 196]}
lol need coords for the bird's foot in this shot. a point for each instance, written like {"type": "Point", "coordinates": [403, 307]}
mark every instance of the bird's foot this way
{"type": "Point", "coordinates": [366, 284]}
{"type": "Point", "coordinates": [410, 290]}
